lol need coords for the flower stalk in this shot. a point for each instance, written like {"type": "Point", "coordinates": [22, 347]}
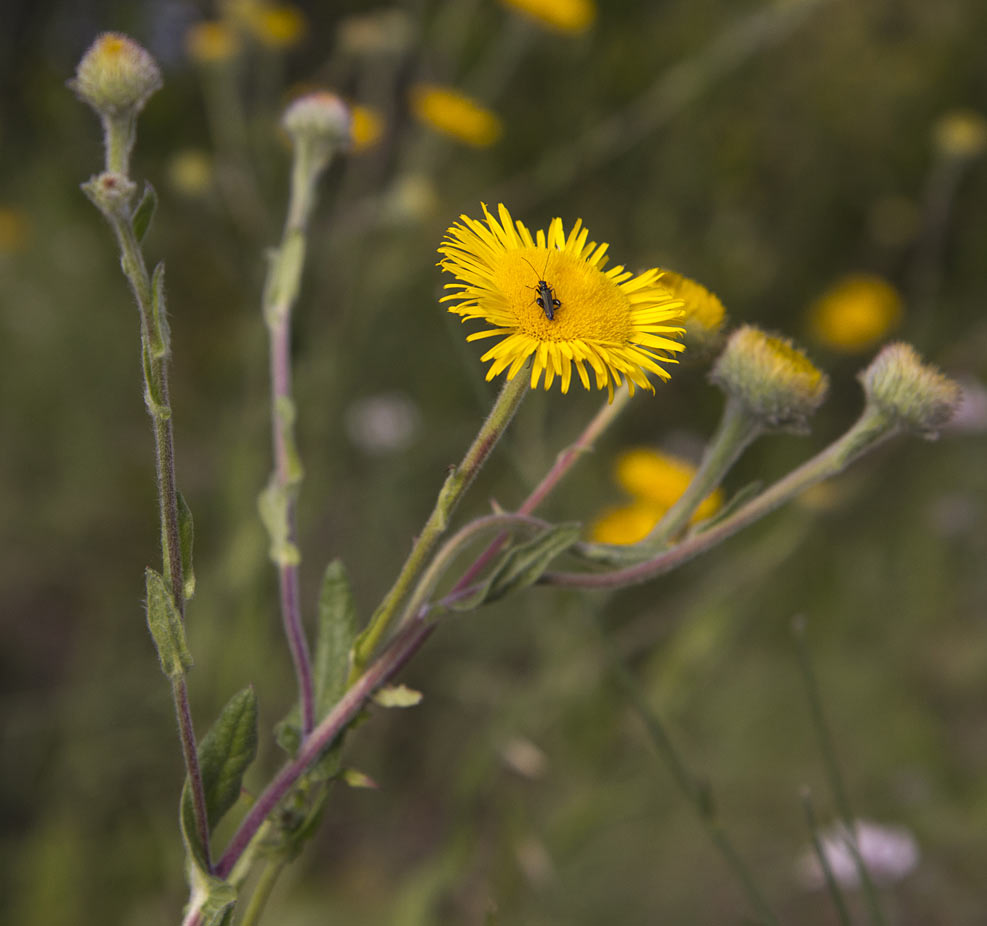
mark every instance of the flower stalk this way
{"type": "Point", "coordinates": [737, 430]}
{"type": "Point", "coordinates": [116, 77]}
{"type": "Point", "coordinates": [317, 123]}
{"type": "Point", "coordinates": [456, 484]}
{"type": "Point", "coordinates": [872, 428]}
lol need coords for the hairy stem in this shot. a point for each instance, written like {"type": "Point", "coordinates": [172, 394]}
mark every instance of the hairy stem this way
{"type": "Point", "coordinates": [404, 645]}
{"type": "Point", "coordinates": [156, 351]}
{"type": "Point", "coordinates": [871, 429]}
{"type": "Point", "coordinates": [456, 484]}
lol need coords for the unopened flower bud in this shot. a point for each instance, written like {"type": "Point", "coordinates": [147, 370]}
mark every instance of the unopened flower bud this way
{"type": "Point", "coordinates": [915, 395]}
{"type": "Point", "coordinates": [770, 377]}
{"type": "Point", "coordinates": [116, 76]}
{"type": "Point", "coordinates": [704, 313]}
{"type": "Point", "coordinates": [321, 117]}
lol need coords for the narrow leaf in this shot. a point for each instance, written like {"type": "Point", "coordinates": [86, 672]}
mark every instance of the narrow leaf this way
{"type": "Point", "coordinates": [522, 565]}
{"type": "Point", "coordinates": [225, 753]}
{"type": "Point", "coordinates": [165, 624]}
{"type": "Point", "coordinates": [273, 507]}
{"type": "Point", "coordinates": [397, 696]}
{"type": "Point", "coordinates": [334, 638]}
{"type": "Point", "coordinates": [186, 537]}
{"type": "Point", "coordinates": [144, 212]}
{"type": "Point", "coordinates": [357, 779]}
{"type": "Point", "coordinates": [161, 336]}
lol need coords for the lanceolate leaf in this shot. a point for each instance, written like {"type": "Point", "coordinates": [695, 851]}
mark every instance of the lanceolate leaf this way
{"type": "Point", "coordinates": [225, 753]}
{"type": "Point", "coordinates": [165, 624]}
{"type": "Point", "coordinates": [145, 212]}
{"type": "Point", "coordinates": [337, 630]}
{"type": "Point", "coordinates": [186, 535]}
{"type": "Point", "coordinates": [522, 565]}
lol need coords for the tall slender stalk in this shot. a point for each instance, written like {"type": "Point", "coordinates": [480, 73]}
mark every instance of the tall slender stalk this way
{"type": "Point", "coordinates": [456, 484]}
{"type": "Point", "coordinates": [156, 350]}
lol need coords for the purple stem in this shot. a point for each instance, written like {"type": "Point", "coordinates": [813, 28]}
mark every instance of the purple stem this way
{"type": "Point", "coordinates": [399, 651]}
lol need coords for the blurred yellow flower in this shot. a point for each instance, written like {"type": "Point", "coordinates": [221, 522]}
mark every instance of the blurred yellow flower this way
{"type": "Point", "coordinates": [961, 133]}
{"type": "Point", "coordinates": [211, 42]}
{"type": "Point", "coordinates": [276, 25]}
{"type": "Point", "coordinates": [548, 297]}
{"type": "Point", "coordinates": [855, 313]}
{"type": "Point", "coordinates": [571, 16]}
{"type": "Point", "coordinates": [455, 115]}
{"type": "Point", "coordinates": [625, 524]}
{"type": "Point", "coordinates": [367, 128]}
{"type": "Point", "coordinates": [659, 479]}
{"type": "Point", "coordinates": [190, 172]}
{"type": "Point", "coordinates": [704, 313]}
{"type": "Point", "coordinates": [15, 230]}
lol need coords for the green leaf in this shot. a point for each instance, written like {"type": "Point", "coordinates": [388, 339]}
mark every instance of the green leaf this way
{"type": "Point", "coordinates": [161, 336]}
{"type": "Point", "coordinates": [165, 624]}
{"type": "Point", "coordinates": [522, 565]}
{"type": "Point", "coordinates": [272, 504]}
{"type": "Point", "coordinates": [226, 752]}
{"type": "Point", "coordinates": [330, 665]}
{"type": "Point", "coordinates": [334, 638]}
{"type": "Point", "coordinates": [186, 537]}
{"type": "Point", "coordinates": [397, 696]}
{"type": "Point", "coordinates": [144, 212]}
{"type": "Point", "coordinates": [152, 391]}
{"type": "Point", "coordinates": [210, 897]}
{"type": "Point", "coordinates": [354, 778]}
{"type": "Point", "coordinates": [286, 414]}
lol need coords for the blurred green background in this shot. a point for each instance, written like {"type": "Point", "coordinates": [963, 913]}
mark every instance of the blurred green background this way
{"type": "Point", "coordinates": [763, 149]}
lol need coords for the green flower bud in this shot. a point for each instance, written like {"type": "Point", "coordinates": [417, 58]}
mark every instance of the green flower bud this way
{"type": "Point", "coordinates": [320, 119]}
{"type": "Point", "coordinates": [771, 378]}
{"type": "Point", "coordinates": [116, 76]}
{"type": "Point", "coordinates": [915, 395]}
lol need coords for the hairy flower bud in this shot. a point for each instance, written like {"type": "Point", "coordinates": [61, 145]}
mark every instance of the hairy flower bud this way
{"type": "Point", "coordinates": [770, 377]}
{"type": "Point", "coordinates": [321, 118]}
{"type": "Point", "coordinates": [915, 395]}
{"type": "Point", "coordinates": [116, 76]}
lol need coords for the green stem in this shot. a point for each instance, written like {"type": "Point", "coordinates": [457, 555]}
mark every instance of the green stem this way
{"type": "Point", "coordinates": [736, 431]}
{"type": "Point", "coordinates": [871, 428]}
{"type": "Point", "coordinates": [155, 349]}
{"type": "Point", "coordinates": [262, 892]}
{"type": "Point", "coordinates": [607, 414]}
{"type": "Point", "coordinates": [831, 885]}
{"type": "Point", "coordinates": [456, 484]}
{"type": "Point", "coordinates": [833, 774]}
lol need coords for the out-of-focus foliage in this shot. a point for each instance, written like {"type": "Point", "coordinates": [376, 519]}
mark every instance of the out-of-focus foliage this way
{"type": "Point", "coordinates": [522, 790]}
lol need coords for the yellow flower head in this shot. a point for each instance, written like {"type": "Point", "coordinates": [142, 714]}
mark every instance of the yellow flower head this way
{"type": "Point", "coordinates": [211, 42]}
{"type": "Point", "coordinates": [277, 26]}
{"type": "Point", "coordinates": [15, 230]}
{"type": "Point", "coordinates": [562, 15]}
{"type": "Point", "coordinates": [855, 313]}
{"type": "Point", "coordinates": [625, 524]}
{"type": "Point", "coordinates": [704, 313]}
{"type": "Point", "coordinates": [659, 480]}
{"type": "Point", "coordinates": [367, 128]}
{"type": "Point", "coordinates": [190, 171]}
{"type": "Point", "coordinates": [456, 115]}
{"type": "Point", "coordinates": [548, 297]}
{"type": "Point", "coordinates": [961, 133]}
